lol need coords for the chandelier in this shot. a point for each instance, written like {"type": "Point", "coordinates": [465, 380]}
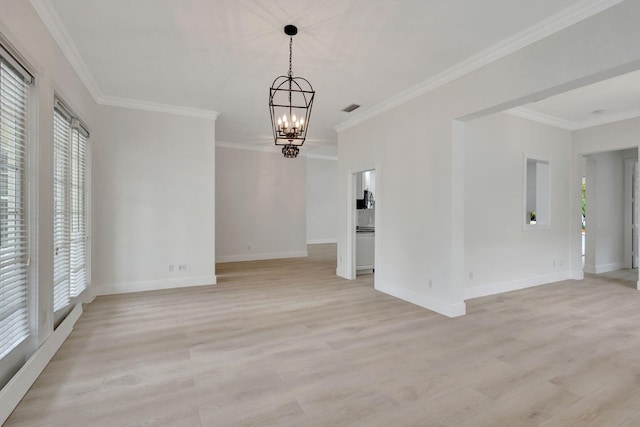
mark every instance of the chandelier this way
{"type": "Point", "coordinates": [290, 102]}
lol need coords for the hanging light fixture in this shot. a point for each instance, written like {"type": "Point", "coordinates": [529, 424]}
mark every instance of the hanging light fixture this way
{"type": "Point", "coordinates": [290, 102]}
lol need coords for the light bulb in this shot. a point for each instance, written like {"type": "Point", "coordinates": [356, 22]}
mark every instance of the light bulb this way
{"type": "Point", "coordinates": [293, 118]}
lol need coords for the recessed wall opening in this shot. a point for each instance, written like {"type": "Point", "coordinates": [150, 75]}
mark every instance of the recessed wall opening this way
{"type": "Point", "coordinates": [537, 192]}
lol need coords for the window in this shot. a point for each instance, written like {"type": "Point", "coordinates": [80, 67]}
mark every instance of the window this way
{"type": "Point", "coordinates": [14, 237]}
{"type": "Point", "coordinates": [537, 192]}
{"type": "Point", "coordinates": [70, 207]}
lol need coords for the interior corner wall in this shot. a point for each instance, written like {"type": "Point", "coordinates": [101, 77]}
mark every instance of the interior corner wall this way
{"type": "Point", "coordinates": [414, 142]}
{"type": "Point", "coordinates": [154, 201]}
{"type": "Point", "coordinates": [500, 253]}
{"type": "Point", "coordinates": [322, 200]}
{"type": "Point", "coordinates": [260, 205]}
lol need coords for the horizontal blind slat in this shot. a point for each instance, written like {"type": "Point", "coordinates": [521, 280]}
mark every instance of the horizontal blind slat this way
{"type": "Point", "coordinates": [14, 101]}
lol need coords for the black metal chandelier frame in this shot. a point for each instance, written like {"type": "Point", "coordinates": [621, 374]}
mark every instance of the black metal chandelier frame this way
{"type": "Point", "coordinates": [290, 104]}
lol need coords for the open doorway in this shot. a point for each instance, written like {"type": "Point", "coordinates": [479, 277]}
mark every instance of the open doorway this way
{"type": "Point", "coordinates": [365, 221]}
{"type": "Point", "coordinates": [610, 215]}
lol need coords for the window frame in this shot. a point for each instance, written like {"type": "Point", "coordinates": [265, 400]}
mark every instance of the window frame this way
{"type": "Point", "coordinates": [28, 179]}
{"type": "Point", "coordinates": [76, 128]}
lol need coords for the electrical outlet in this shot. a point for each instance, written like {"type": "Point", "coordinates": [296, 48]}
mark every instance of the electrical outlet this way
{"type": "Point", "coordinates": [471, 275]}
{"type": "Point", "coordinates": [430, 283]}
{"type": "Point", "coordinates": [249, 248]}
{"type": "Point", "coordinates": [171, 267]}
{"type": "Point", "coordinates": [182, 267]}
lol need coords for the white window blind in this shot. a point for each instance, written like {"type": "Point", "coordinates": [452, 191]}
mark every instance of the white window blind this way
{"type": "Point", "coordinates": [61, 223]}
{"type": "Point", "coordinates": [78, 194]}
{"type": "Point", "coordinates": [14, 251]}
{"type": "Point", "coordinates": [70, 207]}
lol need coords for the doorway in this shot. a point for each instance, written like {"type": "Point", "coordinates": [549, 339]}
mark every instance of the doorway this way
{"type": "Point", "coordinates": [365, 221]}
{"type": "Point", "coordinates": [610, 217]}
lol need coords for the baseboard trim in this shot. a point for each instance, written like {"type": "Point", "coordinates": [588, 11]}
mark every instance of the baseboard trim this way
{"type": "Point", "coordinates": [424, 301]}
{"type": "Point", "coordinates": [514, 285]}
{"type": "Point", "coordinates": [577, 275]}
{"type": "Point", "coordinates": [603, 268]}
{"type": "Point", "coordinates": [19, 385]}
{"type": "Point", "coordinates": [321, 241]}
{"type": "Point", "coordinates": [263, 256]}
{"type": "Point", "coordinates": [154, 285]}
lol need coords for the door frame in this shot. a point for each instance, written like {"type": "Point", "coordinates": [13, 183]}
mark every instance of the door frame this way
{"type": "Point", "coordinates": [352, 219]}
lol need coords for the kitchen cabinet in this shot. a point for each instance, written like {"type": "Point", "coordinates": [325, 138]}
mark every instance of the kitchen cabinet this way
{"type": "Point", "coordinates": [365, 251]}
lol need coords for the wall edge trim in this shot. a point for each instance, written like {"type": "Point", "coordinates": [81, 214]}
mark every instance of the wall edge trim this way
{"type": "Point", "coordinates": [154, 285]}
{"type": "Point", "coordinates": [261, 256]}
{"type": "Point", "coordinates": [441, 307]}
{"type": "Point", "coordinates": [515, 285]}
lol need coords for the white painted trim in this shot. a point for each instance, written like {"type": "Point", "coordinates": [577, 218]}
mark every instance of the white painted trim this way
{"type": "Point", "coordinates": [157, 107]}
{"type": "Point", "coordinates": [53, 23]}
{"type": "Point", "coordinates": [558, 22]}
{"type": "Point", "coordinates": [577, 275]}
{"type": "Point", "coordinates": [424, 301]}
{"type": "Point", "coordinates": [271, 148]}
{"type": "Point", "coordinates": [154, 285]}
{"type": "Point", "coordinates": [545, 119]}
{"type": "Point", "coordinates": [321, 156]}
{"type": "Point", "coordinates": [19, 385]}
{"type": "Point", "coordinates": [602, 268]}
{"type": "Point", "coordinates": [261, 256]}
{"type": "Point", "coordinates": [608, 118]}
{"type": "Point", "coordinates": [514, 285]}
{"type": "Point", "coordinates": [322, 241]}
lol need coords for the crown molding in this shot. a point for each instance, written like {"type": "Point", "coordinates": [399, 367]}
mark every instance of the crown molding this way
{"type": "Point", "coordinates": [248, 147]}
{"type": "Point", "coordinates": [136, 104]}
{"type": "Point", "coordinates": [608, 118]}
{"type": "Point", "coordinates": [321, 157]}
{"type": "Point", "coordinates": [270, 149]}
{"type": "Point", "coordinates": [555, 23]}
{"type": "Point", "coordinates": [53, 23]}
{"type": "Point", "coordinates": [535, 116]}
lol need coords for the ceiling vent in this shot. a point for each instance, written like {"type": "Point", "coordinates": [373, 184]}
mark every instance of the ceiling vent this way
{"type": "Point", "coordinates": [350, 108]}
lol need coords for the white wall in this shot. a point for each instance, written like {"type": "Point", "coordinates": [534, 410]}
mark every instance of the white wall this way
{"type": "Point", "coordinates": [322, 200]}
{"type": "Point", "coordinates": [260, 205]}
{"type": "Point", "coordinates": [417, 149]}
{"type": "Point", "coordinates": [154, 201]}
{"type": "Point", "coordinates": [22, 28]}
{"type": "Point", "coordinates": [501, 254]}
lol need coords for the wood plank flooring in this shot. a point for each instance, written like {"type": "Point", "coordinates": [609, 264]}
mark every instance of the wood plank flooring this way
{"type": "Point", "coordinates": [287, 343]}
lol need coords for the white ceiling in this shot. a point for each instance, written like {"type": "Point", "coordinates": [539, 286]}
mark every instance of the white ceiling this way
{"type": "Point", "coordinates": [603, 102]}
{"type": "Point", "coordinates": [222, 55]}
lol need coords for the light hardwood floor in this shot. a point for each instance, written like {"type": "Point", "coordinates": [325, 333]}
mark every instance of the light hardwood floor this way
{"type": "Point", "coordinates": [286, 342]}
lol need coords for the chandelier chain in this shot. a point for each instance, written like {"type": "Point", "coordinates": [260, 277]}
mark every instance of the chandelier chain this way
{"type": "Point", "coordinates": [290, 55]}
